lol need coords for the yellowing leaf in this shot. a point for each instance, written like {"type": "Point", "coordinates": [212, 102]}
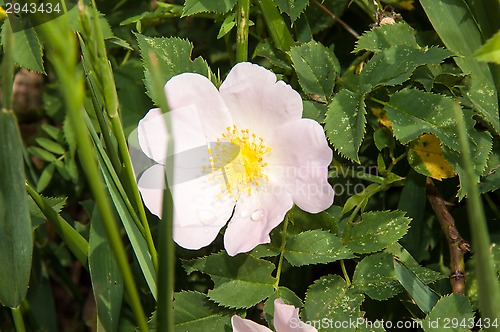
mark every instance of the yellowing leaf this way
{"type": "Point", "coordinates": [426, 157]}
{"type": "Point", "coordinates": [382, 117]}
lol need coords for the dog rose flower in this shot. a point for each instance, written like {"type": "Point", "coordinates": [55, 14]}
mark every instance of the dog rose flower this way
{"type": "Point", "coordinates": [241, 154]}
{"type": "Point", "coordinates": [286, 319]}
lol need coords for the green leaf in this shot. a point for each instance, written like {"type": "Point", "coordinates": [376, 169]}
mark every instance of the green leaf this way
{"type": "Point", "coordinates": [376, 231]}
{"type": "Point", "coordinates": [41, 153]}
{"type": "Point", "coordinates": [451, 16]}
{"type": "Point", "coordinates": [395, 65]}
{"type": "Point", "coordinates": [330, 297]}
{"type": "Point", "coordinates": [278, 28]}
{"type": "Point", "coordinates": [317, 68]}
{"type": "Point", "coordinates": [453, 309]}
{"type": "Point", "coordinates": [361, 198]}
{"type": "Point", "coordinates": [491, 175]}
{"type": "Point", "coordinates": [16, 242]}
{"type": "Point", "coordinates": [480, 143]}
{"type": "Point", "coordinates": [227, 25]}
{"type": "Point", "coordinates": [424, 274]}
{"type": "Point", "coordinates": [414, 112]}
{"type": "Point", "coordinates": [174, 57]}
{"type": "Point", "coordinates": [375, 274]}
{"type": "Point", "coordinates": [132, 96]}
{"type": "Point", "coordinates": [53, 132]}
{"type": "Point", "coordinates": [292, 8]}
{"type": "Point", "coordinates": [37, 216]}
{"type": "Point", "coordinates": [376, 277]}
{"type": "Point", "coordinates": [107, 282]}
{"type": "Point", "coordinates": [313, 247]}
{"type": "Point", "coordinates": [383, 138]}
{"type": "Point", "coordinates": [240, 281]}
{"type": "Point", "coordinates": [45, 177]}
{"type": "Point", "coordinates": [27, 50]}
{"type": "Point", "coordinates": [345, 123]}
{"type": "Point", "coordinates": [195, 312]}
{"type": "Point", "coordinates": [74, 240]}
{"type": "Point", "coordinates": [50, 145]}
{"type": "Point", "coordinates": [419, 291]}
{"type": "Point", "coordinates": [412, 201]}
{"type": "Point", "coordinates": [490, 51]}
{"type": "Point", "coordinates": [385, 36]}
{"type": "Point", "coordinates": [314, 110]}
{"type": "Point", "coordinates": [192, 7]}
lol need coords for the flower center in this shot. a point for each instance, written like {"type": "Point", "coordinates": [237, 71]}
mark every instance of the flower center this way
{"type": "Point", "coordinates": [239, 154]}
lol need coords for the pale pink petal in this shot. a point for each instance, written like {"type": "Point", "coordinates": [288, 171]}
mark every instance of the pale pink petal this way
{"type": "Point", "coordinates": [199, 213]}
{"type": "Point", "coordinates": [254, 217]}
{"type": "Point", "coordinates": [187, 132]}
{"type": "Point", "coordinates": [257, 102]}
{"type": "Point", "coordinates": [195, 90]}
{"type": "Point", "coordinates": [151, 186]}
{"type": "Point", "coordinates": [245, 325]}
{"type": "Point", "coordinates": [286, 318]}
{"type": "Point", "coordinates": [299, 160]}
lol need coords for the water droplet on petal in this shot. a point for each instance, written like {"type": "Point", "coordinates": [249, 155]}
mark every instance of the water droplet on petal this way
{"type": "Point", "coordinates": [206, 217]}
{"type": "Point", "coordinates": [258, 215]}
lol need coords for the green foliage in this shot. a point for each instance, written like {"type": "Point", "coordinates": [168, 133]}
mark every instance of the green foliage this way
{"type": "Point", "coordinates": [376, 231]}
{"type": "Point", "coordinates": [195, 312]}
{"type": "Point", "coordinates": [490, 51]}
{"type": "Point", "coordinates": [173, 56]}
{"type": "Point", "coordinates": [240, 282]}
{"type": "Point", "coordinates": [292, 8]}
{"type": "Point", "coordinates": [332, 298]}
{"type": "Point", "coordinates": [345, 123]}
{"type": "Point", "coordinates": [450, 312]}
{"type": "Point", "coordinates": [449, 17]}
{"type": "Point", "coordinates": [313, 247]}
{"type": "Point", "coordinates": [192, 7]}
{"type": "Point", "coordinates": [385, 36]}
{"type": "Point", "coordinates": [317, 69]}
{"type": "Point", "coordinates": [107, 282]}
{"type": "Point", "coordinates": [27, 49]}
{"type": "Point", "coordinates": [390, 101]}
{"type": "Point", "coordinates": [16, 242]}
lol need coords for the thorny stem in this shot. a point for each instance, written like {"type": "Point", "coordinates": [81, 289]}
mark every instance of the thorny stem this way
{"type": "Point", "coordinates": [458, 246]}
{"type": "Point", "coordinates": [338, 20]}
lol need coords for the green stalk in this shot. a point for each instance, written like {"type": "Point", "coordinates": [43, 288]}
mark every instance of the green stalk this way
{"type": "Point", "coordinates": [132, 185]}
{"type": "Point", "coordinates": [75, 242]}
{"type": "Point", "coordinates": [61, 51]}
{"type": "Point", "coordinates": [243, 14]}
{"type": "Point", "coordinates": [282, 249]}
{"type": "Point", "coordinates": [344, 271]}
{"type": "Point", "coordinates": [17, 315]}
{"type": "Point", "coordinates": [111, 106]}
{"type": "Point", "coordinates": [7, 66]}
{"type": "Point", "coordinates": [166, 272]}
{"type": "Point", "coordinates": [489, 292]}
{"type": "Point", "coordinates": [276, 25]}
